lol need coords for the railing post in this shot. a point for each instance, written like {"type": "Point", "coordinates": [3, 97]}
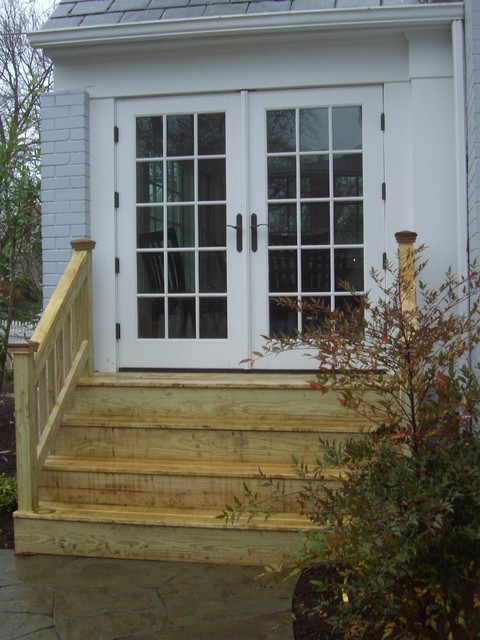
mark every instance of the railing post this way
{"type": "Point", "coordinates": [85, 244]}
{"type": "Point", "coordinates": [26, 423]}
{"type": "Point", "coordinates": [406, 265]}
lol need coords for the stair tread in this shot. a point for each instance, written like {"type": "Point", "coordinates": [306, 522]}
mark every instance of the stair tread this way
{"type": "Point", "coordinates": [202, 379]}
{"type": "Point", "coordinates": [172, 467]}
{"type": "Point", "coordinates": [335, 424]}
{"type": "Point", "coordinates": [160, 516]}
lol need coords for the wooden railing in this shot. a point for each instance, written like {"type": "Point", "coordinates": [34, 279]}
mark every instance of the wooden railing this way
{"type": "Point", "coordinates": [406, 265]}
{"type": "Point", "coordinates": [48, 367]}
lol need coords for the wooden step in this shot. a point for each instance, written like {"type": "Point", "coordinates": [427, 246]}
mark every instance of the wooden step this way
{"type": "Point", "coordinates": [160, 483]}
{"type": "Point", "coordinates": [259, 442]}
{"type": "Point", "coordinates": [160, 534]}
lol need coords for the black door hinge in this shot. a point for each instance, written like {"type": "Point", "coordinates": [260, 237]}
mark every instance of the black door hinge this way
{"type": "Point", "coordinates": [116, 134]}
{"type": "Point", "coordinates": [382, 121]}
{"type": "Point", "coordinates": [117, 265]}
{"type": "Point", "coordinates": [384, 261]}
{"type": "Point", "coordinates": [116, 199]}
{"type": "Point", "coordinates": [117, 331]}
{"type": "Point", "coordinates": [384, 191]}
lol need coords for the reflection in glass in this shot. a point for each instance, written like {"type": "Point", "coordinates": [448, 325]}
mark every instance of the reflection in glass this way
{"type": "Point", "coordinates": [150, 137]}
{"type": "Point", "coordinates": [348, 222]}
{"type": "Point", "coordinates": [181, 318]}
{"type": "Point", "coordinates": [349, 269]}
{"type": "Point", "coordinates": [315, 223]}
{"type": "Point", "coordinates": [282, 224]}
{"type": "Point", "coordinates": [180, 138]}
{"type": "Point", "coordinates": [347, 127]}
{"type": "Point", "coordinates": [211, 134]}
{"type": "Point", "coordinates": [282, 270]}
{"type": "Point", "coordinates": [314, 176]}
{"type": "Point", "coordinates": [212, 180]}
{"type": "Point", "coordinates": [281, 136]}
{"type": "Point", "coordinates": [282, 177]}
{"type": "Point", "coordinates": [149, 221]}
{"type": "Point", "coordinates": [151, 317]}
{"type": "Point", "coordinates": [213, 271]}
{"type": "Point", "coordinates": [180, 177]}
{"type": "Point", "coordinates": [211, 225]}
{"type": "Point", "coordinates": [315, 270]}
{"type": "Point", "coordinates": [283, 320]}
{"type": "Point", "coordinates": [150, 272]}
{"type": "Point", "coordinates": [313, 129]}
{"type": "Point", "coordinates": [315, 312]}
{"type": "Point", "coordinates": [149, 182]}
{"type": "Point", "coordinates": [181, 271]}
{"type": "Point", "coordinates": [213, 318]}
{"type": "Point", "coordinates": [181, 226]}
{"type": "Point", "coordinates": [347, 175]}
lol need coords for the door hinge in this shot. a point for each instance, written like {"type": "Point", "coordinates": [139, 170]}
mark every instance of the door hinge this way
{"type": "Point", "coordinates": [116, 198]}
{"type": "Point", "coordinates": [117, 266]}
{"type": "Point", "coordinates": [382, 121]}
{"type": "Point", "coordinates": [384, 190]}
{"type": "Point", "coordinates": [384, 261]}
{"type": "Point", "coordinates": [117, 330]}
{"type": "Point", "coordinates": [116, 134]}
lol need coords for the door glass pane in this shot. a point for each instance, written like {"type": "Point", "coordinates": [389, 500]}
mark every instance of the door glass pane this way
{"type": "Point", "coordinates": [314, 176]}
{"type": "Point", "coordinates": [348, 223]}
{"type": "Point", "coordinates": [181, 272]}
{"type": "Point", "coordinates": [149, 182]}
{"type": "Point", "coordinates": [211, 134]}
{"type": "Point", "coordinates": [283, 270]}
{"type": "Point", "coordinates": [212, 226]}
{"type": "Point", "coordinates": [283, 320]}
{"type": "Point", "coordinates": [347, 175]}
{"type": "Point", "coordinates": [181, 226]}
{"type": "Point", "coordinates": [212, 184]}
{"type": "Point", "coordinates": [150, 270]}
{"type": "Point", "coordinates": [180, 135]}
{"type": "Point", "coordinates": [180, 180]}
{"type": "Point", "coordinates": [282, 224]}
{"type": "Point", "coordinates": [213, 318]}
{"type": "Point", "coordinates": [213, 271]}
{"type": "Point", "coordinates": [281, 131]}
{"type": "Point", "coordinates": [150, 221]}
{"type": "Point", "coordinates": [314, 129]}
{"type": "Point", "coordinates": [347, 128]}
{"type": "Point", "coordinates": [282, 177]}
{"type": "Point", "coordinates": [181, 318]}
{"type": "Point", "coordinates": [315, 223]}
{"type": "Point", "coordinates": [315, 270]}
{"type": "Point", "coordinates": [348, 268]}
{"type": "Point", "coordinates": [150, 137]}
{"type": "Point", "coordinates": [151, 317]}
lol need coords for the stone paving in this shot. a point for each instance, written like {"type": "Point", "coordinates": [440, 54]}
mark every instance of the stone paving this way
{"type": "Point", "coordinates": [65, 598]}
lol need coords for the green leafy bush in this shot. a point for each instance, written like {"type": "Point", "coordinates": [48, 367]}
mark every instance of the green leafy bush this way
{"type": "Point", "coordinates": [401, 527]}
{"type": "Point", "coordinates": [8, 493]}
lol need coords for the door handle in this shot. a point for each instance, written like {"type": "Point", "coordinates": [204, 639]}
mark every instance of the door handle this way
{"type": "Point", "coordinates": [253, 227]}
{"type": "Point", "coordinates": [239, 229]}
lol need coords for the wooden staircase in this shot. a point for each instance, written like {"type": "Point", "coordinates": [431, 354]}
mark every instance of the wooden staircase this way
{"type": "Point", "coordinates": [143, 464]}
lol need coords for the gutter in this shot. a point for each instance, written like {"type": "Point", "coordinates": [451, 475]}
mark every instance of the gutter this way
{"type": "Point", "coordinates": [282, 22]}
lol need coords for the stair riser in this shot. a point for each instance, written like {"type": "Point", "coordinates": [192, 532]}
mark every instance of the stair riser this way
{"type": "Point", "coordinates": [190, 444]}
{"type": "Point", "coordinates": [152, 490]}
{"type": "Point", "coordinates": [238, 404]}
{"type": "Point", "coordinates": [107, 540]}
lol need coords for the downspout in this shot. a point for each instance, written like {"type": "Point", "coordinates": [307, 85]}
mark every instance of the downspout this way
{"type": "Point", "coordinates": [459, 97]}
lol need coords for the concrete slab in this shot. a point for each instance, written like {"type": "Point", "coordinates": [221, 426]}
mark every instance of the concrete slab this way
{"type": "Point", "coordinates": [65, 598]}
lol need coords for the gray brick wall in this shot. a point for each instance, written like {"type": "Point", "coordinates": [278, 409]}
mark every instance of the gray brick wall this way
{"type": "Point", "coordinates": [472, 51]}
{"type": "Point", "coordinates": [65, 180]}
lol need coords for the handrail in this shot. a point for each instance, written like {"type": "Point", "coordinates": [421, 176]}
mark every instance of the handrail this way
{"type": "Point", "coordinates": [48, 367]}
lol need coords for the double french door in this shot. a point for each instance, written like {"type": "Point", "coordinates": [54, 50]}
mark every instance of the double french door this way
{"type": "Point", "coordinates": [228, 203]}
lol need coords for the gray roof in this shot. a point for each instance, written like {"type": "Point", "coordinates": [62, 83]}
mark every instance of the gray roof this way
{"type": "Point", "coordinates": [91, 13]}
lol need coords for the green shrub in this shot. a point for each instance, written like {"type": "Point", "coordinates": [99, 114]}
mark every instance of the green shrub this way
{"type": "Point", "coordinates": [8, 493]}
{"type": "Point", "coordinates": [401, 527]}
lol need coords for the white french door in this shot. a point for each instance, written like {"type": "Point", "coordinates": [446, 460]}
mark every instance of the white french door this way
{"type": "Point", "coordinates": [229, 202]}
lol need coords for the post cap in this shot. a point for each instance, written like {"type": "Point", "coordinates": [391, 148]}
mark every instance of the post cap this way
{"type": "Point", "coordinates": [406, 237]}
{"type": "Point", "coordinates": [23, 347]}
{"type": "Point", "coordinates": [82, 244]}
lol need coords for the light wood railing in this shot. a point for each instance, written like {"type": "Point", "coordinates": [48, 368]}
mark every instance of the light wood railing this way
{"type": "Point", "coordinates": [48, 367]}
{"type": "Point", "coordinates": [406, 265]}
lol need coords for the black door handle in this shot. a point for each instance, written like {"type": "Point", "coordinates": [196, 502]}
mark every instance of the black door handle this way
{"type": "Point", "coordinates": [239, 229]}
{"type": "Point", "coordinates": [253, 227]}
